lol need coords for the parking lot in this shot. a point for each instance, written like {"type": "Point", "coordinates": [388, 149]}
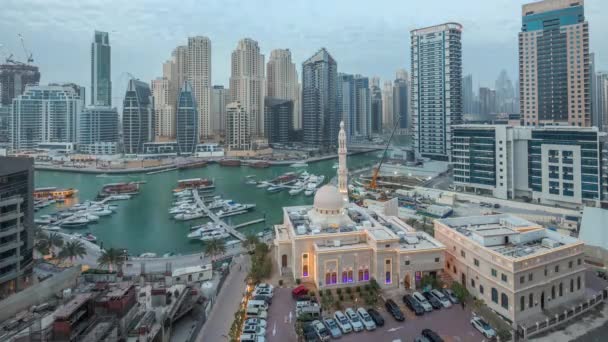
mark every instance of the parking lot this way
{"type": "Point", "coordinates": [452, 324]}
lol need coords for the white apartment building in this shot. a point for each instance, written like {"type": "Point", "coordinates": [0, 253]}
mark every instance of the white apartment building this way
{"type": "Point", "coordinates": [516, 267]}
{"type": "Point", "coordinates": [199, 76]}
{"type": "Point", "coordinates": [238, 131]}
{"type": "Point", "coordinates": [164, 108]}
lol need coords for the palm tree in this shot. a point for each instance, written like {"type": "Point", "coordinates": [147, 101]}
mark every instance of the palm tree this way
{"type": "Point", "coordinates": [55, 241]}
{"type": "Point", "coordinates": [110, 257]}
{"type": "Point", "coordinates": [251, 241]}
{"type": "Point", "coordinates": [215, 247]}
{"type": "Point", "coordinates": [72, 250]}
{"type": "Point", "coordinates": [42, 247]}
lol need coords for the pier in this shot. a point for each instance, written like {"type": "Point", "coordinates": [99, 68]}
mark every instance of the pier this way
{"type": "Point", "coordinates": [245, 224]}
{"type": "Point", "coordinates": [216, 219]}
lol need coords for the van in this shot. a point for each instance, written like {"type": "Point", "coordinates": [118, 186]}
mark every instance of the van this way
{"type": "Point", "coordinates": [258, 304]}
{"type": "Point", "coordinates": [257, 313]}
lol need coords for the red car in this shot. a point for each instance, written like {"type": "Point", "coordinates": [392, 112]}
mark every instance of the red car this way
{"type": "Point", "coordinates": [299, 291]}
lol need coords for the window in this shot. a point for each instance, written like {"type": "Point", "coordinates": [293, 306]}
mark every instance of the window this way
{"type": "Point", "coordinates": [494, 273]}
{"type": "Point", "coordinates": [530, 300]}
{"type": "Point", "coordinates": [449, 265]}
{"type": "Point", "coordinates": [546, 272]}
{"type": "Point", "coordinates": [503, 277]}
{"type": "Point", "coordinates": [572, 285]}
{"type": "Point", "coordinates": [480, 288]}
{"type": "Point", "coordinates": [522, 303]}
{"type": "Point", "coordinates": [556, 268]}
{"type": "Point", "coordinates": [561, 289]}
{"type": "Point", "coordinates": [530, 276]}
{"type": "Point", "coordinates": [570, 263]}
{"type": "Point", "coordinates": [578, 283]}
{"type": "Point", "coordinates": [553, 292]}
{"type": "Point", "coordinates": [504, 301]}
{"type": "Point", "coordinates": [454, 268]}
{"type": "Point", "coordinates": [463, 254]}
{"type": "Point", "coordinates": [494, 295]}
{"type": "Point", "coordinates": [473, 283]}
{"type": "Point", "coordinates": [387, 271]}
{"type": "Point", "coordinates": [522, 279]}
{"type": "Point", "coordinates": [407, 262]}
{"type": "Point", "coordinates": [578, 262]}
{"type": "Point", "coordinates": [476, 262]}
{"type": "Point", "coordinates": [436, 259]}
{"type": "Point", "coordinates": [305, 265]}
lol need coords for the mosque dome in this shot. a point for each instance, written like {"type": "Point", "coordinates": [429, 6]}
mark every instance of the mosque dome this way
{"type": "Point", "coordinates": [328, 200]}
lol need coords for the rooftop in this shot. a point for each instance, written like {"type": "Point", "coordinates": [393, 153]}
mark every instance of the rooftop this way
{"type": "Point", "coordinates": [192, 269]}
{"type": "Point", "coordinates": [118, 290]}
{"type": "Point", "coordinates": [65, 311]}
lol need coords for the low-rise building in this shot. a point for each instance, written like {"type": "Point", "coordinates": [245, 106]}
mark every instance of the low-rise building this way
{"type": "Point", "coordinates": [188, 275]}
{"type": "Point", "coordinates": [518, 268]}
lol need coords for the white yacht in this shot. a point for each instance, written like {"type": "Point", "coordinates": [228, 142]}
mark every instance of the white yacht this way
{"type": "Point", "coordinates": [309, 192]}
{"type": "Point", "coordinates": [203, 231]}
{"type": "Point", "coordinates": [190, 215]}
{"type": "Point", "coordinates": [296, 191]}
{"type": "Point", "coordinates": [215, 235]}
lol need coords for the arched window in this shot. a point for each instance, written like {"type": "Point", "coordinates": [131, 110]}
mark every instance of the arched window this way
{"type": "Point", "coordinates": [481, 289]}
{"type": "Point", "coordinates": [349, 278]}
{"type": "Point", "coordinates": [504, 301]}
{"type": "Point", "coordinates": [522, 303]}
{"type": "Point", "coordinates": [561, 289]}
{"type": "Point", "coordinates": [530, 300]}
{"type": "Point", "coordinates": [366, 274]}
{"type": "Point", "coordinates": [334, 277]}
{"type": "Point", "coordinates": [328, 278]}
{"type": "Point", "coordinates": [553, 292]}
{"type": "Point", "coordinates": [494, 295]}
{"type": "Point", "coordinates": [572, 285]}
{"type": "Point", "coordinates": [360, 275]}
{"type": "Point", "coordinates": [344, 277]}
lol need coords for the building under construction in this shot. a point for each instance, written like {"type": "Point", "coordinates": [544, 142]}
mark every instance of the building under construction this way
{"type": "Point", "coordinates": [13, 79]}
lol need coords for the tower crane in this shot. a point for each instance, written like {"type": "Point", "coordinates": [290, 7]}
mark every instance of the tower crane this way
{"type": "Point", "coordinates": [28, 55]}
{"type": "Point", "coordinates": [373, 183]}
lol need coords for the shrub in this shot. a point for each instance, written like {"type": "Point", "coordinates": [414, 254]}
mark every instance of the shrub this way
{"type": "Point", "coordinates": [320, 293]}
{"type": "Point", "coordinates": [504, 334]}
{"type": "Point", "coordinates": [367, 287]}
{"type": "Point", "coordinates": [374, 284]}
{"type": "Point", "coordinates": [328, 292]}
{"type": "Point", "coordinates": [339, 291]}
{"type": "Point", "coordinates": [311, 293]}
{"type": "Point", "coordinates": [341, 297]}
{"type": "Point", "coordinates": [338, 305]}
{"type": "Point", "coordinates": [298, 281]}
{"type": "Point", "coordinates": [349, 290]}
{"type": "Point", "coordinates": [280, 282]}
{"type": "Point", "coordinates": [358, 289]}
{"type": "Point", "coordinates": [352, 297]}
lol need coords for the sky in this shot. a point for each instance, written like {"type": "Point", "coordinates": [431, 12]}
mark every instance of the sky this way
{"type": "Point", "coordinates": [364, 37]}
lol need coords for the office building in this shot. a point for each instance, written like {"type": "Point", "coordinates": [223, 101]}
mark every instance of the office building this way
{"type": "Point", "coordinates": [219, 98]}
{"type": "Point", "coordinates": [238, 130]}
{"type": "Point", "coordinates": [247, 82]}
{"type": "Point", "coordinates": [279, 120]}
{"type": "Point", "coordinates": [387, 105]}
{"type": "Point", "coordinates": [550, 165]}
{"type": "Point", "coordinates": [320, 116]}
{"type": "Point", "coordinates": [334, 243]}
{"type": "Point", "coordinates": [436, 89]}
{"type": "Point", "coordinates": [98, 130]}
{"type": "Point", "coordinates": [45, 114]}
{"type": "Point", "coordinates": [164, 115]}
{"type": "Point", "coordinates": [600, 101]}
{"type": "Point", "coordinates": [487, 103]}
{"type": "Point", "coordinates": [5, 123]}
{"type": "Point", "coordinates": [137, 117]}
{"type": "Point", "coordinates": [505, 94]}
{"type": "Point", "coordinates": [14, 77]}
{"type": "Point", "coordinates": [401, 101]}
{"type": "Point", "coordinates": [468, 96]}
{"type": "Point", "coordinates": [186, 120]}
{"type": "Point", "coordinates": [16, 224]}
{"type": "Point", "coordinates": [101, 70]}
{"type": "Point", "coordinates": [354, 104]}
{"type": "Point", "coordinates": [376, 110]}
{"type": "Point", "coordinates": [199, 76]}
{"type": "Point", "coordinates": [282, 81]}
{"type": "Point", "coordinates": [518, 268]}
{"type": "Point", "coordinates": [554, 79]}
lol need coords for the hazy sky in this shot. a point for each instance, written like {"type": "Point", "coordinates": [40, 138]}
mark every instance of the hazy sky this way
{"type": "Point", "coordinates": [366, 37]}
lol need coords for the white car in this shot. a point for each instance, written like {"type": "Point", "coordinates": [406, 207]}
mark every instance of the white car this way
{"type": "Point", "coordinates": [265, 286]}
{"type": "Point", "coordinates": [443, 299]}
{"type": "Point", "coordinates": [484, 328]}
{"type": "Point", "coordinates": [423, 302]}
{"type": "Point", "coordinates": [354, 319]}
{"type": "Point", "coordinates": [252, 338]}
{"type": "Point", "coordinates": [263, 291]}
{"type": "Point", "coordinates": [256, 321]}
{"type": "Point", "coordinates": [343, 322]}
{"type": "Point", "coordinates": [367, 320]}
{"type": "Point", "coordinates": [254, 329]}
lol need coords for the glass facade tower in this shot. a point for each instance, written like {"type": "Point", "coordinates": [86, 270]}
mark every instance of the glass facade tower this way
{"type": "Point", "coordinates": [101, 68]}
{"type": "Point", "coordinates": [186, 120]}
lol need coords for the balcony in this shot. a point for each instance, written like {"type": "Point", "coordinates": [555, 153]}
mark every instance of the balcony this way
{"type": "Point", "coordinates": [10, 216]}
{"type": "Point", "coordinates": [9, 261]}
{"type": "Point", "coordinates": [10, 245]}
{"type": "Point", "coordinates": [8, 275]}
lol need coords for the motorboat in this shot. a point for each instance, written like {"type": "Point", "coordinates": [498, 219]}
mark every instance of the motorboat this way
{"type": "Point", "coordinates": [147, 255]}
{"type": "Point", "coordinates": [299, 165]}
{"type": "Point", "coordinates": [263, 185]}
{"type": "Point", "coordinates": [335, 166]}
{"type": "Point", "coordinates": [42, 221]}
{"type": "Point", "coordinates": [88, 217]}
{"type": "Point", "coordinates": [309, 192]}
{"type": "Point", "coordinates": [101, 211]}
{"type": "Point", "coordinates": [119, 197]}
{"type": "Point", "coordinates": [77, 235]}
{"type": "Point", "coordinates": [75, 222]}
{"type": "Point", "coordinates": [90, 237]}
{"type": "Point", "coordinates": [273, 189]}
{"type": "Point", "coordinates": [296, 191]}
{"type": "Point", "coordinates": [51, 228]}
{"type": "Point", "coordinates": [201, 232]}
{"type": "Point", "coordinates": [215, 235]}
{"type": "Point", "coordinates": [250, 180]}
{"type": "Point", "coordinates": [191, 215]}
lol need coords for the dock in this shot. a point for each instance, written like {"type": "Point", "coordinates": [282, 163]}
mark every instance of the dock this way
{"type": "Point", "coordinates": [216, 219]}
{"type": "Point", "coordinates": [245, 224]}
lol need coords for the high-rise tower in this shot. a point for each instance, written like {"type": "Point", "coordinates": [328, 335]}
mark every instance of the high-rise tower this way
{"type": "Point", "coordinates": [199, 76]}
{"type": "Point", "coordinates": [282, 81]}
{"type": "Point", "coordinates": [101, 68]}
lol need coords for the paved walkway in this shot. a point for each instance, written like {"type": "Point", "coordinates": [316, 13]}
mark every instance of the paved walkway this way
{"type": "Point", "coordinates": [227, 303]}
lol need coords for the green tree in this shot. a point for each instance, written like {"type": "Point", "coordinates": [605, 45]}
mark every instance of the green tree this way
{"type": "Point", "coordinates": [251, 241]}
{"type": "Point", "coordinates": [55, 241]}
{"type": "Point", "coordinates": [72, 250]}
{"type": "Point", "coordinates": [42, 246]}
{"type": "Point", "coordinates": [460, 292]}
{"type": "Point", "coordinates": [215, 247]}
{"type": "Point", "coordinates": [111, 257]}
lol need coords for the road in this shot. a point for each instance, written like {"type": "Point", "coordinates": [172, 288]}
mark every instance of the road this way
{"type": "Point", "coordinates": [227, 303]}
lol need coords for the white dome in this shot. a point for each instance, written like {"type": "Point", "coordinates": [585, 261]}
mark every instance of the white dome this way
{"type": "Point", "coordinates": [328, 199]}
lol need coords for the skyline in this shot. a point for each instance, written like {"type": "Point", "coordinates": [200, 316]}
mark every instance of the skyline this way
{"type": "Point", "coordinates": [383, 35]}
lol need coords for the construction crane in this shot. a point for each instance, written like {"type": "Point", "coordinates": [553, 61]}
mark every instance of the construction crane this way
{"type": "Point", "coordinates": [28, 55]}
{"type": "Point", "coordinates": [373, 183]}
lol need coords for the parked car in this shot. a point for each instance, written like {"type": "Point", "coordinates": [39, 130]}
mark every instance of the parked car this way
{"type": "Point", "coordinates": [445, 302]}
{"type": "Point", "coordinates": [303, 298]}
{"type": "Point", "coordinates": [257, 313]}
{"type": "Point", "coordinates": [421, 339]}
{"type": "Point", "coordinates": [413, 305]}
{"type": "Point", "coordinates": [265, 298]}
{"type": "Point", "coordinates": [354, 319]}
{"type": "Point", "coordinates": [422, 301]}
{"type": "Point", "coordinates": [265, 292]}
{"type": "Point", "coordinates": [299, 291]}
{"type": "Point", "coordinates": [431, 335]}
{"type": "Point", "coordinates": [310, 335]}
{"type": "Point", "coordinates": [394, 310]}
{"type": "Point", "coordinates": [484, 328]}
{"type": "Point", "coordinates": [376, 316]}
{"type": "Point", "coordinates": [366, 319]}
{"type": "Point", "coordinates": [264, 286]}
{"type": "Point", "coordinates": [254, 329]}
{"type": "Point", "coordinates": [451, 296]}
{"type": "Point", "coordinates": [321, 330]}
{"type": "Point", "coordinates": [333, 327]}
{"type": "Point", "coordinates": [252, 338]}
{"type": "Point", "coordinates": [343, 322]}
{"type": "Point", "coordinates": [256, 321]}
{"type": "Point", "coordinates": [259, 304]}
{"type": "Point", "coordinates": [435, 303]}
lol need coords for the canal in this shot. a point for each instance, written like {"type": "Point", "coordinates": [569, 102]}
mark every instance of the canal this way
{"type": "Point", "coordinates": [143, 223]}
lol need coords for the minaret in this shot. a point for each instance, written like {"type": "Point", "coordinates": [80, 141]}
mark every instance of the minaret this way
{"type": "Point", "coordinates": [342, 170]}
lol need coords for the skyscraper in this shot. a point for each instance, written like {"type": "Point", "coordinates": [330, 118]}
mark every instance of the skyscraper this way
{"type": "Point", "coordinates": [387, 105]}
{"type": "Point", "coordinates": [505, 94]}
{"type": "Point", "coordinates": [319, 106]}
{"type": "Point", "coordinates": [601, 85]}
{"type": "Point", "coordinates": [376, 109]}
{"type": "Point", "coordinates": [101, 70]}
{"type": "Point", "coordinates": [282, 81]}
{"type": "Point", "coordinates": [247, 82]}
{"type": "Point", "coordinates": [98, 130]}
{"type": "Point", "coordinates": [45, 114]}
{"type": "Point", "coordinates": [436, 89]}
{"type": "Point", "coordinates": [199, 76]}
{"type": "Point", "coordinates": [278, 114]}
{"type": "Point", "coordinates": [354, 104]}
{"type": "Point", "coordinates": [238, 132]}
{"type": "Point", "coordinates": [468, 96]}
{"type": "Point", "coordinates": [186, 120]}
{"type": "Point", "coordinates": [401, 100]}
{"type": "Point", "coordinates": [220, 97]}
{"type": "Point", "coordinates": [13, 80]}
{"type": "Point", "coordinates": [554, 64]}
{"type": "Point", "coordinates": [487, 102]}
{"type": "Point", "coordinates": [164, 115]}
{"type": "Point", "coordinates": [137, 117]}
{"type": "Point", "coordinates": [17, 222]}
